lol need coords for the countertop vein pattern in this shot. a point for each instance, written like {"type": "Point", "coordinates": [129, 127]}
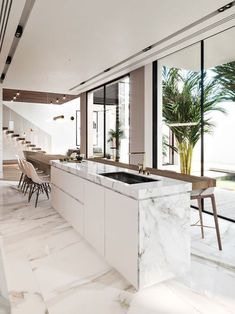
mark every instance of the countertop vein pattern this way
{"type": "Point", "coordinates": [50, 269]}
{"type": "Point", "coordinates": [91, 171]}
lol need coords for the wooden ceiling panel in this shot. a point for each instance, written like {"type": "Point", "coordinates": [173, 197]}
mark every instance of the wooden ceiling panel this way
{"type": "Point", "coordinates": [36, 97]}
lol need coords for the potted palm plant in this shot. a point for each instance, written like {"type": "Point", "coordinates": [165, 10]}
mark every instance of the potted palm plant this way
{"type": "Point", "coordinates": [114, 137]}
{"type": "Point", "coordinates": [182, 109]}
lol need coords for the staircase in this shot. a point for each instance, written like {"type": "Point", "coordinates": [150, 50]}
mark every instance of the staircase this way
{"type": "Point", "coordinates": [21, 143]}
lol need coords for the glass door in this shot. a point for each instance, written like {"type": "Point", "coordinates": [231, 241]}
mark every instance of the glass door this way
{"type": "Point", "coordinates": [95, 123]}
{"type": "Point", "coordinates": [108, 121]}
{"type": "Point", "coordinates": [117, 120]}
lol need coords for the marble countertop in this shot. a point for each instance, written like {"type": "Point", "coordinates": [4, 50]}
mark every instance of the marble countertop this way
{"type": "Point", "coordinates": [91, 171]}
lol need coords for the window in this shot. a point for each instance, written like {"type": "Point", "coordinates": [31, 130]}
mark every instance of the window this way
{"type": "Point", "coordinates": [194, 114]}
{"type": "Point", "coordinates": [108, 121]}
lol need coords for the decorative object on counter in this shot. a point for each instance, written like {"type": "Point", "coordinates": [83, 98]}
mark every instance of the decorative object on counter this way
{"type": "Point", "coordinates": [108, 156]}
{"type": "Point", "coordinates": [71, 151]}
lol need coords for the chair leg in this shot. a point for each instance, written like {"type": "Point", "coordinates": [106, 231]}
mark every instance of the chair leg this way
{"type": "Point", "coordinates": [216, 221]}
{"type": "Point", "coordinates": [49, 187]}
{"type": "Point", "coordinates": [199, 200]}
{"type": "Point", "coordinates": [45, 189]}
{"type": "Point", "coordinates": [36, 202]}
{"type": "Point", "coordinates": [26, 189]}
{"type": "Point", "coordinates": [32, 191]}
{"type": "Point", "coordinates": [21, 178]}
{"type": "Point", "coordinates": [24, 186]}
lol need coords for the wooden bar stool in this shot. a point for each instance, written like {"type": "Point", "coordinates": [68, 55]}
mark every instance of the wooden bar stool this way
{"type": "Point", "coordinates": [199, 195]}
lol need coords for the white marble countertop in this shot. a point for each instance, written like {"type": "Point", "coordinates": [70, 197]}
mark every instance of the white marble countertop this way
{"type": "Point", "coordinates": [91, 171]}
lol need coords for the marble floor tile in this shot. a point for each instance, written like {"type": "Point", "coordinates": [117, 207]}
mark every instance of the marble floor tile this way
{"type": "Point", "coordinates": [51, 269]}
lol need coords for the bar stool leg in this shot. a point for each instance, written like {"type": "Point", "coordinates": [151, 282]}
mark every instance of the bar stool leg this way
{"type": "Point", "coordinates": [199, 200]}
{"type": "Point", "coordinates": [216, 221]}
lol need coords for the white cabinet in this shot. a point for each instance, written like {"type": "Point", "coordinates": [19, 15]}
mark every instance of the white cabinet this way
{"type": "Point", "coordinates": [108, 220]}
{"type": "Point", "coordinates": [68, 182]}
{"type": "Point", "coordinates": [70, 209]}
{"type": "Point", "coordinates": [121, 234]}
{"type": "Point", "coordinates": [94, 216]}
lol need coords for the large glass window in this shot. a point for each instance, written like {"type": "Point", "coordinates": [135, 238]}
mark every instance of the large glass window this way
{"type": "Point", "coordinates": [219, 144]}
{"type": "Point", "coordinates": [179, 102]}
{"type": "Point", "coordinates": [196, 115]}
{"type": "Point", "coordinates": [108, 121]}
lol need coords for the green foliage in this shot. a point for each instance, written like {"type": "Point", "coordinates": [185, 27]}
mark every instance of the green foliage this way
{"type": "Point", "coordinates": [182, 104]}
{"type": "Point", "coordinates": [115, 134]}
{"type": "Point", "coordinates": [225, 76]}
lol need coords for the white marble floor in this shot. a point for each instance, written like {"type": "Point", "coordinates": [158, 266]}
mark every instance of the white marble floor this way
{"type": "Point", "coordinates": [51, 269]}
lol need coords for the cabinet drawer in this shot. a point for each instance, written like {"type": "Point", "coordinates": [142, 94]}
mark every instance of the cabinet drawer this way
{"type": "Point", "coordinates": [70, 209]}
{"type": "Point", "coordinates": [70, 183]}
{"type": "Point", "coordinates": [94, 216]}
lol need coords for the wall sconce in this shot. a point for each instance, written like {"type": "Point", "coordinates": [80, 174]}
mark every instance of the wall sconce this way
{"type": "Point", "coordinates": [58, 118]}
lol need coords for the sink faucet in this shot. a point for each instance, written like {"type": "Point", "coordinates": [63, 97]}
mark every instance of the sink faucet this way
{"type": "Point", "coordinates": [141, 165]}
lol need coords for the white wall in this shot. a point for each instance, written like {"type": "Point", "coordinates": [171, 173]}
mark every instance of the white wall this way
{"type": "Point", "coordinates": [63, 132]}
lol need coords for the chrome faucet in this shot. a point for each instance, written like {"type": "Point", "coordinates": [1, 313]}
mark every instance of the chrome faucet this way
{"type": "Point", "coordinates": [141, 165]}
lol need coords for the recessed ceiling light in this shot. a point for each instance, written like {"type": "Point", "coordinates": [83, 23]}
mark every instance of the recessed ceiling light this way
{"type": "Point", "coordinates": [147, 48]}
{"type": "Point", "coordinates": [18, 94]}
{"type": "Point", "coordinates": [228, 6]}
{"type": "Point", "coordinates": [57, 100]}
{"type": "Point", "coordinates": [8, 60]}
{"type": "Point", "coordinates": [64, 97]}
{"type": "Point", "coordinates": [19, 31]}
{"type": "Point", "coordinates": [225, 7]}
{"type": "Point", "coordinates": [14, 97]}
{"type": "Point", "coordinates": [107, 70]}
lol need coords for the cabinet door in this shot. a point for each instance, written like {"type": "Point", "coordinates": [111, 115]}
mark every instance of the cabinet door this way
{"type": "Point", "coordinates": [121, 234]}
{"type": "Point", "coordinates": [69, 208]}
{"type": "Point", "coordinates": [94, 216]}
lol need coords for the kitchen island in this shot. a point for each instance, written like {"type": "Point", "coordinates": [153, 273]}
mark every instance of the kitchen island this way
{"type": "Point", "coordinates": [141, 229]}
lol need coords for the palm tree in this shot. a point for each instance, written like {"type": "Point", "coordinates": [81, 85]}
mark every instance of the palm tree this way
{"type": "Point", "coordinates": [225, 75]}
{"type": "Point", "coordinates": [115, 137]}
{"type": "Point", "coordinates": [182, 109]}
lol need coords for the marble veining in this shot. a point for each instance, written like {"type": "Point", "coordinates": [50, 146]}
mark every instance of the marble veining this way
{"type": "Point", "coordinates": [91, 171]}
{"type": "Point", "coordinates": [50, 269]}
{"type": "Point", "coordinates": [164, 238]}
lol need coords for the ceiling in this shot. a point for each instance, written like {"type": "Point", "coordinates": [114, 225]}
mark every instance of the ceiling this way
{"type": "Point", "coordinates": [67, 42]}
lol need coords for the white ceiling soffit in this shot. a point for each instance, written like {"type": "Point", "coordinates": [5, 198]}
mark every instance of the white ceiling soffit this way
{"type": "Point", "coordinates": [16, 8]}
{"type": "Point", "coordinates": [68, 42]}
{"type": "Point", "coordinates": [219, 49]}
{"type": "Point", "coordinates": [181, 48]}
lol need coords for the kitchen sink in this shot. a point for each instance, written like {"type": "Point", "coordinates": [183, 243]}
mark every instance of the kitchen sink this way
{"type": "Point", "coordinates": [127, 177]}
